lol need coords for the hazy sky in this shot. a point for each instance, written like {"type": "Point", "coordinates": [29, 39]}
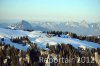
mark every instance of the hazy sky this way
{"type": "Point", "coordinates": [50, 10]}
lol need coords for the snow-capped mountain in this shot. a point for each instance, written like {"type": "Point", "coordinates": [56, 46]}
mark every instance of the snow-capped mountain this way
{"type": "Point", "coordinates": [80, 28]}
{"type": "Point", "coordinates": [23, 25]}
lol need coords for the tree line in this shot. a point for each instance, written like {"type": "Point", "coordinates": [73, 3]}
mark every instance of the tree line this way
{"type": "Point", "coordinates": [95, 39]}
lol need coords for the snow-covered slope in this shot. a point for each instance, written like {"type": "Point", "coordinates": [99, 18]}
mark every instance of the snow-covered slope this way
{"type": "Point", "coordinates": [42, 39]}
{"type": "Point", "coordinates": [8, 33]}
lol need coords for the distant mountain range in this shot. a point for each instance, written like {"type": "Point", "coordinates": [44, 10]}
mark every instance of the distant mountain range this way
{"type": "Point", "coordinates": [82, 28]}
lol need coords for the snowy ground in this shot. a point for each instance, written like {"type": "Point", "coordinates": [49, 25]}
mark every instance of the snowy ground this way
{"type": "Point", "coordinates": [42, 39]}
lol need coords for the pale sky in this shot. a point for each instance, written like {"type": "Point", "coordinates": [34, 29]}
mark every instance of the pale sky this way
{"type": "Point", "coordinates": [50, 10]}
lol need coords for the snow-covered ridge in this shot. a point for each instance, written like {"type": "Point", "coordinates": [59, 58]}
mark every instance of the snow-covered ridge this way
{"type": "Point", "coordinates": [42, 39]}
{"type": "Point", "coordinates": [80, 28]}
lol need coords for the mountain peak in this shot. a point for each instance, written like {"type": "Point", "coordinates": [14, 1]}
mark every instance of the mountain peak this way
{"type": "Point", "coordinates": [24, 21]}
{"type": "Point", "coordinates": [84, 23]}
{"type": "Point", "coordinates": [23, 25]}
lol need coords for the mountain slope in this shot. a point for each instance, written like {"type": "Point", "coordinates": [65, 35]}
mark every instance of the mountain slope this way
{"type": "Point", "coordinates": [42, 39]}
{"type": "Point", "coordinates": [23, 25]}
{"type": "Point", "coordinates": [82, 28]}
